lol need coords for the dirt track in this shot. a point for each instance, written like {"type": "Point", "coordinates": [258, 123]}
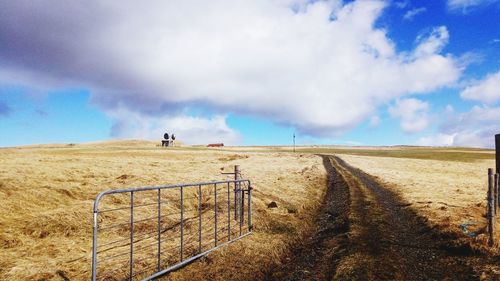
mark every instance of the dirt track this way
{"type": "Point", "coordinates": [366, 232]}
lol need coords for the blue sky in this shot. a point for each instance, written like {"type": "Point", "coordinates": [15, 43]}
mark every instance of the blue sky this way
{"type": "Point", "coordinates": [252, 72]}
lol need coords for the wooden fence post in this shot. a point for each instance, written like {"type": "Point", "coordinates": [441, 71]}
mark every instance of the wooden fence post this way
{"type": "Point", "coordinates": [495, 193]}
{"type": "Point", "coordinates": [497, 184]}
{"type": "Point", "coordinates": [490, 215]}
{"type": "Point", "coordinates": [497, 153]}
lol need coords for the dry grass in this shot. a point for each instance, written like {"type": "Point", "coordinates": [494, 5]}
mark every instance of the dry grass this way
{"type": "Point", "coordinates": [451, 194]}
{"type": "Point", "coordinates": [46, 194]}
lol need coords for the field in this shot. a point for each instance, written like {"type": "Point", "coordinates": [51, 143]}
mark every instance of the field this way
{"type": "Point", "coordinates": [446, 185]}
{"type": "Point", "coordinates": [450, 194]}
{"type": "Point", "coordinates": [47, 192]}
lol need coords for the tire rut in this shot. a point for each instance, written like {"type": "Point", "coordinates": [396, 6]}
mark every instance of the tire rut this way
{"type": "Point", "coordinates": [393, 241]}
{"type": "Point", "coordinates": [367, 232]}
{"type": "Point", "coordinates": [317, 257]}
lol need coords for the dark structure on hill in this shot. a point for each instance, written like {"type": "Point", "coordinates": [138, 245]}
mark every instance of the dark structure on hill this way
{"type": "Point", "coordinates": [168, 140]}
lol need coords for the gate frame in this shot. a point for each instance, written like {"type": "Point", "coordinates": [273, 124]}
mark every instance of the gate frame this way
{"type": "Point", "coordinates": [239, 190]}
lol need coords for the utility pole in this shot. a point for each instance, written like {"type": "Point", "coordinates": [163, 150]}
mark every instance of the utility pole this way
{"type": "Point", "coordinates": [293, 142]}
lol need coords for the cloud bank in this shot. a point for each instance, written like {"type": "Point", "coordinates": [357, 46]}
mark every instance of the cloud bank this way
{"type": "Point", "coordinates": [474, 128]}
{"type": "Point", "coordinates": [322, 67]}
{"type": "Point", "coordinates": [477, 126]}
{"type": "Point", "coordinates": [194, 129]}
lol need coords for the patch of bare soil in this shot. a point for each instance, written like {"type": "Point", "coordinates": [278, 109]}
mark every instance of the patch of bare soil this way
{"type": "Point", "coordinates": [367, 232]}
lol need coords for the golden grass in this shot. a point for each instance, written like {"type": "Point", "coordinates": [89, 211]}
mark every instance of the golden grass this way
{"type": "Point", "coordinates": [47, 193]}
{"type": "Point", "coordinates": [450, 194]}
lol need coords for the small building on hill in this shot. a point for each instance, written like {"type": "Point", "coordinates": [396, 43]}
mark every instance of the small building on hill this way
{"type": "Point", "coordinates": [215, 145]}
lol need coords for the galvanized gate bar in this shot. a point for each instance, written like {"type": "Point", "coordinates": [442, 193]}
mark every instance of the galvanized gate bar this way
{"type": "Point", "coordinates": [240, 211]}
{"type": "Point", "coordinates": [94, 245]}
{"type": "Point", "coordinates": [182, 222]}
{"type": "Point", "coordinates": [159, 231]}
{"type": "Point", "coordinates": [215, 215]}
{"type": "Point", "coordinates": [199, 218]}
{"type": "Point", "coordinates": [228, 212]}
{"type": "Point", "coordinates": [250, 224]}
{"type": "Point", "coordinates": [131, 234]}
{"type": "Point", "coordinates": [146, 257]}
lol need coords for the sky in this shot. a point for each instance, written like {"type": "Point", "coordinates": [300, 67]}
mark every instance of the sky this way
{"type": "Point", "coordinates": [251, 72]}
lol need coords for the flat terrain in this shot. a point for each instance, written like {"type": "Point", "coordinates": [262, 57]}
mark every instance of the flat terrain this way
{"type": "Point", "coordinates": [450, 194]}
{"type": "Point", "coordinates": [47, 193]}
{"type": "Point", "coordinates": [409, 213]}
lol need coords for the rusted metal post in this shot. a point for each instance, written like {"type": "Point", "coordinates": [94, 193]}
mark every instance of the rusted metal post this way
{"type": "Point", "coordinates": [490, 215]}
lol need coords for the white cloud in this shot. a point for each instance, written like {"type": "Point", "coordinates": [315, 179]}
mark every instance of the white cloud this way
{"type": "Point", "coordinates": [257, 57]}
{"type": "Point", "coordinates": [413, 114]}
{"type": "Point", "coordinates": [410, 14]}
{"type": "Point", "coordinates": [188, 129]}
{"type": "Point", "coordinates": [465, 5]}
{"type": "Point", "coordinates": [486, 90]}
{"type": "Point", "coordinates": [433, 42]}
{"type": "Point", "coordinates": [468, 58]}
{"type": "Point", "coordinates": [475, 128]}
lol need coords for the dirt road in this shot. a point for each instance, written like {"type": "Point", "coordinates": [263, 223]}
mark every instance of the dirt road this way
{"type": "Point", "coordinates": [366, 232]}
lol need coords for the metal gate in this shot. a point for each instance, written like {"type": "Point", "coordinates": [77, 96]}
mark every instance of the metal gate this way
{"type": "Point", "coordinates": [142, 233]}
